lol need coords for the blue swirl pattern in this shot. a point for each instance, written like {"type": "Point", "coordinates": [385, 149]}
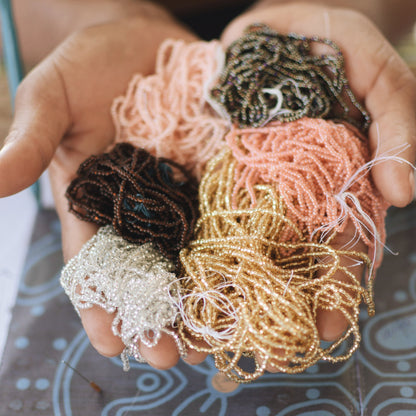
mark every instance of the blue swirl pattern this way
{"type": "Point", "coordinates": [379, 380]}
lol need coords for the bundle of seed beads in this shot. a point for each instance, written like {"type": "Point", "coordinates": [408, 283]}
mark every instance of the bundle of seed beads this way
{"type": "Point", "coordinates": [320, 170]}
{"type": "Point", "coordinates": [145, 199]}
{"type": "Point", "coordinates": [273, 76]}
{"type": "Point", "coordinates": [168, 113]}
{"type": "Point", "coordinates": [248, 291]}
{"type": "Point", "coordinates": [135, 282]}
{"type": "Point", "coordinates": [260, 265]}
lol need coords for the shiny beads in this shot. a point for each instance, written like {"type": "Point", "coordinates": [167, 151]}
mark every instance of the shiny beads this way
{"type": "Point", "coordinates": [315, 167]}
{"type": "Point", "coordinates": [257, 265]}
{"type": "Point", "coordinates": [145, 199]}
{"type": "Point", "coordinates": [271, 76]}
{"type": "Point", "coordinates": [134, 282]}
{"type": "Point", "coordinates": [251, 284]}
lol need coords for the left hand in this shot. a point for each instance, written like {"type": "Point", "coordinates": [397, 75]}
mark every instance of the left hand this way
{"type": "Point", "coordinates": [62, 117]}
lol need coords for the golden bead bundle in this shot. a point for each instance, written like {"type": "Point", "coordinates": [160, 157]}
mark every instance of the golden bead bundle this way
{"type": "Point", "coordinates": [247, 291]}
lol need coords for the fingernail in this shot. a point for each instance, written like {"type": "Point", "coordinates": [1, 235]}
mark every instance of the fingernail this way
{"type": "Point", "coordinates": [412, 183]}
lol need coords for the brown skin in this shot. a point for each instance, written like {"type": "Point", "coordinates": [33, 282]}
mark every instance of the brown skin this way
{"type": "Point", "coordinates": [393, 18]}
{"type": "Point", "coordinates": [43, 24]}
{"type": "Point", "coordinates": [62, 117]}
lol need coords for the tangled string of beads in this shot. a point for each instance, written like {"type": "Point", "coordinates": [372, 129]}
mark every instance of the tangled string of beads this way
{"type": "Point", "coordinates": [167, 113]}
{"type": "Point", "coordinates": [274, 76]}
{"type": "Point", "coordinates": [247, 291]}
{"type": "Point", "coordinates": [320, 170]}
{"type": "Point", "coordinates": [259, 266]}
{"type": "Point", "coordinates": [145, 199]}
{"type": "Point", "coordinates": [135, 282]}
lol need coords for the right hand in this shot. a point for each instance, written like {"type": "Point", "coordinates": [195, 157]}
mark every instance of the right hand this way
{"type": "Point", "coordinates": [62, 116]}
{"type": "Point", "coordinates": [380, 79]}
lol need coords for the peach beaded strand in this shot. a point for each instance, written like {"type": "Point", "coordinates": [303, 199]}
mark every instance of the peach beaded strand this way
{"type": "Point", "coordinates": [309, 161]}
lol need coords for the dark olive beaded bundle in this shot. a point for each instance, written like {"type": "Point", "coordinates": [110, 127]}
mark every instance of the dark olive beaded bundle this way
{"type": "Point", "coordinates": [263, 67]}
{"type": "Point", "coordinates": [145, 199]}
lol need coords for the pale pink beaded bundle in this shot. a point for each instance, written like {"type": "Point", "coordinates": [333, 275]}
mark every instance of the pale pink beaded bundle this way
{"type": "Point", "coordinates": [167, 113]}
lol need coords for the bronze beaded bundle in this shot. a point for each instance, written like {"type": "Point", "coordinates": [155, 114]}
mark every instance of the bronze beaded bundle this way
{"type": "Point", "coordinates": [268, 76]}
{"type": "Point", "coordinates": [145, 199]}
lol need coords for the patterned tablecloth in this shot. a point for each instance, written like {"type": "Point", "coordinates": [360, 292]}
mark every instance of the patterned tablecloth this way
{"type": "Point", "coordinates": [379, 380]}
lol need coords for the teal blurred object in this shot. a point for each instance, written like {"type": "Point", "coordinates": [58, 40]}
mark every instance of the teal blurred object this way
{"type": "Point", "coordinates": [11, 50]}
{"type": "Point", "coordinates": [12, 59]}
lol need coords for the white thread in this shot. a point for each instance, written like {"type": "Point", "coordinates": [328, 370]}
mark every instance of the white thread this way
{"type": "Point", "coordinates": [220, 60]}
{"type": "Point", "coordinates": [276, 92]}
{"type": "Point", "coordinates": [210, 296]}
{"type": "Point", "coordinates": [288, 283]}
{"type": "Point", "coordinates": [343, 195]}
{"type": "Point", "coordinates": [215, 297]}
{"type": "Point", "coordinates": [355, 262]}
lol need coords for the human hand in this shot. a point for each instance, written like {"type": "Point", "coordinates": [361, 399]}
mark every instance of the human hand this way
{"type": "Point", "coordinates": [62, 116]}
{"type": "Point", "coordinates": [379, 78]}
{"type": "Point", "coordinates": [44, 24]}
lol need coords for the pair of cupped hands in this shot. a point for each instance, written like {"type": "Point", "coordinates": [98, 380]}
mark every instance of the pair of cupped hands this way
{"type": "Point", "coordinates": [62, 116]}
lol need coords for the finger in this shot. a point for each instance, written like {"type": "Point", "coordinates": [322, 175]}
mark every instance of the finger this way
{"type": "Point", "coordinates": [163, 355]}
{"type": "Point", "coordinates": [97, 324]}
{"type": "Point", "coordinates": [41, 119]}
{"type": "Point", "coordinates": [98, 327]}
{"type": "Point", "coordinates": [392, 102]}
{"type": "Point", "coordinates": [96, 321]}
{"type": "Point", "coordinates": [194, 356]}
{"type": "Point", "coordinates": [376, 73]}
{"type": "Point", "coordinates": [272, 367]}
{"type": "Point", "coordinates": [340, 25]}
{"type": "Point", "coordinates": [75, 233]}
{"type": "Point", "coordinates": [332, 324]}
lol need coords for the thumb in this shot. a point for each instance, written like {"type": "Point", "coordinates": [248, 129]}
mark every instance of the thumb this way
{"type": "Point", "coordinates": [41, 119]}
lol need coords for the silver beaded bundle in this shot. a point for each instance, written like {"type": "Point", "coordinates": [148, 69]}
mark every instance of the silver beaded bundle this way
{"type": "Point", "coordinates": [134, 281]}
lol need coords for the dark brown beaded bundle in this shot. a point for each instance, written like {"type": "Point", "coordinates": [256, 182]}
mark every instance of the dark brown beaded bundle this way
{"type": "Point", "coordinates": [268, 76]}
{"type": "Point", "coordinates": [145, 199]}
